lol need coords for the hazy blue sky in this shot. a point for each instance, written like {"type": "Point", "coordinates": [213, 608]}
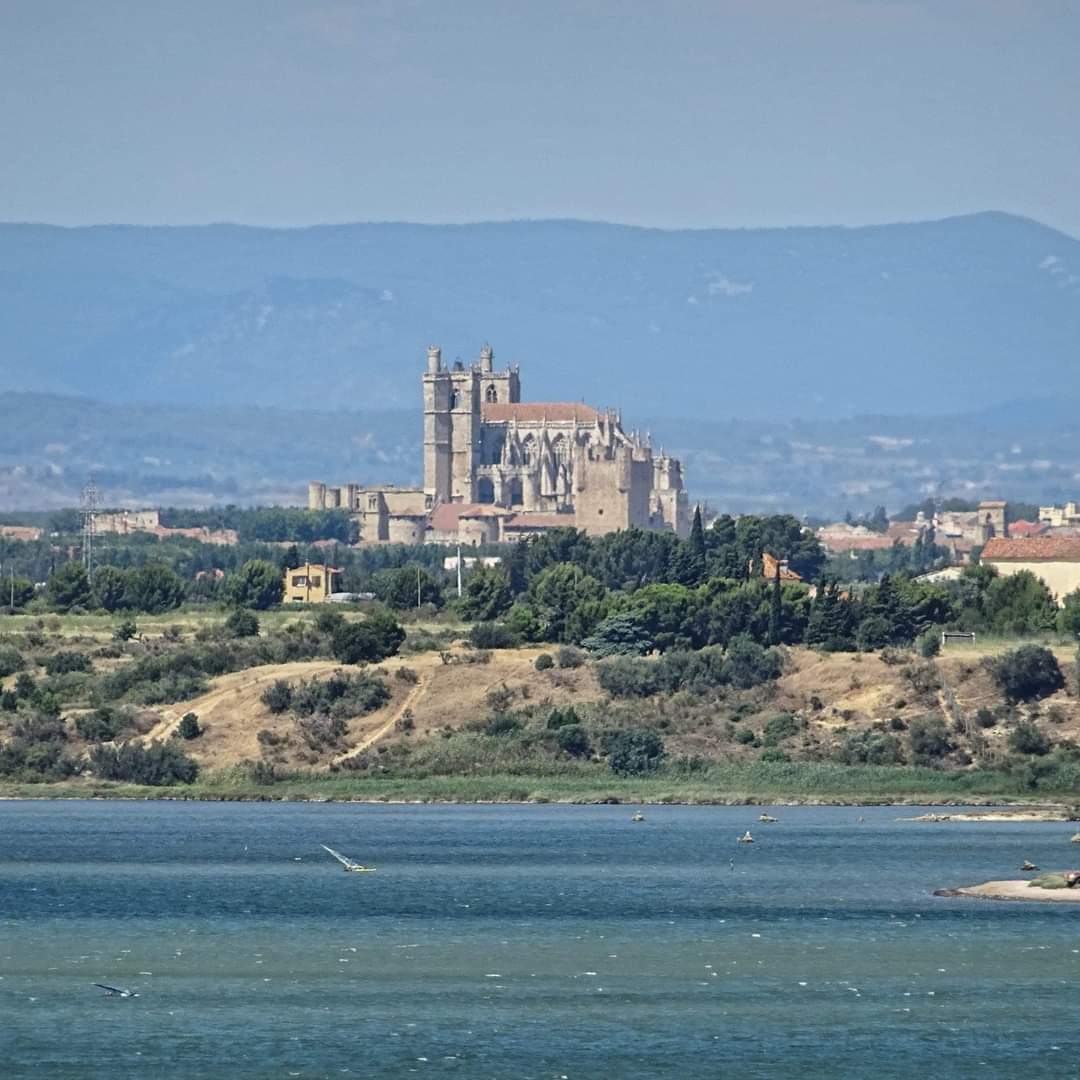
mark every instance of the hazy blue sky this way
{"type": "Point", "coordinates": [662, 112]}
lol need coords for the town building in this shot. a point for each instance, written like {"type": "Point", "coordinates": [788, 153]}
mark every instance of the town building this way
{"type": "Point", "coordinates": [1055, 560]}
{"type": "Point", "coordinates": [497, 468]}
{"type": "Point", "coordinates": [312, 583]}
{"type": "Point", "coordinates": [1060, 517]}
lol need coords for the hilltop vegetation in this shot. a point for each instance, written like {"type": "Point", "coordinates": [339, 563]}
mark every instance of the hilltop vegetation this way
{"type": "Point", "coordinates": [631, 658]}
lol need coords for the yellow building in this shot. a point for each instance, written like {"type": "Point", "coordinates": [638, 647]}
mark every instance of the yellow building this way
{"type": "Point", "coordinates": [311, 583]}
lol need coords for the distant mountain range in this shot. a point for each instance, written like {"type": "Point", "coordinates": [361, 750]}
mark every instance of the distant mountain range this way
{"type": "Point", "coordinates": [941, 317]}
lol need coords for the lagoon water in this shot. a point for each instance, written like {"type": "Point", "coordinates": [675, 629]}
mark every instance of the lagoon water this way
{"type": "Point", "coordinates": [525, 941]}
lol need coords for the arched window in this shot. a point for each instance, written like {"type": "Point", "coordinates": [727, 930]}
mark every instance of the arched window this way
{"type": "Point", "coordinates": [528, 451]}
{"type": "Point", "coordinates": [560, 448]}
{"type": "Point", "coordinates": [491, 394]}
{"type": "Point", "coordinates": [454, 399]}
{"type": "Point", "coordinates": [485, 490]}
{"type": "Point", "coordinates": [517, 496]}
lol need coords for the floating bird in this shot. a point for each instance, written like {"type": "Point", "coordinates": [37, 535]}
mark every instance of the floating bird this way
{"type": "Point", "coordinates": [1028, 865]}
{"type": "Point", "coordinates": [639, 816]}
{"type": "Point", "coordinates": [766, 818]}
{"type": "Point", "coordinates": [348, 864]}
{"type": "Point", "coordinates": [1075, 838]}
{"type": "Point", "coordinates": [116, 991]}
{"type": "Point", "coordinates": [746, 838]}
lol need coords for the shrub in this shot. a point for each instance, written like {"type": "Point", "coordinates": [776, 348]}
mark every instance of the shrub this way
{"type": "Point", "coordinates": [778, 728]}
{"type": "Point", "coordinates": [744, 736]}
{"type": "Point", "coordinates": [501, 723]}
{"type": "Point", "coordinates": [342, 696]}
{"type": "Point", "coordinates": [11, 660]}
{"type": "Point", "coordinates": [157, 764]}
{"type": "Point", "coordinates": [574, 740]}
{"type": "Point", "coordinates": [493, 635]}
{"type": "Point", "coordinates": [407, 675]}
{"type": "Point", "coordinates": [61, 663]}
{"type": "Point", "coordinates": [380, 635]}
{"type": "Point", "coordinates": [278, 697]}
{"type": "Point", "coordinates": [985, 718]}
{"type": "Point", "coordinates": [747, 664]}
{"type": "Point", "coordinates": [188, 728]}
{"type": "Point", "coordinates": [242, 623]}
{"type": "Point", "coordinates": [774, 754]}
{"type": "Point", "coordinates": [624, 676]}
{"type": "Point", "coordinates": [329, 622]}
{"type": "Point", "coordinates": [1028, 673]}
{"type": "Point", "coordinates": [320, 730]}
{"type": "Point", "coordinates": [874, 632]}
{"type": "Point", "coordinates": [125, 629]}
{"type": "Point", "coordinates": [634, 751]}
{"type": "Point", "coordinates": [928, 643]}
{"type": "Point", "coordinates": [100, 725]}
{"type": "Point", "coordinates": [570, 656]}
{"type": "Point", "coordinates": [929, 740]}
{"type": "Point", "coordinates": [560, 718]}
{"type": "Point", "coordinates": [9, 701]}
{"type": "Point", "coordinates": [544, 662]}
{"type": "Point", "coordinates": [498, 698]}
{"type": "Point", "coordinates": [871, 748]}
{"type": "Point", "coordinates": [1026, 738]}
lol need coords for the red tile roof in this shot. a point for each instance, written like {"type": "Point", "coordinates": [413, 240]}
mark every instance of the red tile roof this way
{"type": "Point", "coordinates": [1020, 529]}
{"type": "Point", "coordinates": [535, 411]}
{"type": "Point", "coordinates": [444, 518]}
{"type": "Point", "coordinates": [834, 543]}
{"type": "Point", "coordinates": [1032, 549]}
{"type": "Point", "coordinates": [768, 569]}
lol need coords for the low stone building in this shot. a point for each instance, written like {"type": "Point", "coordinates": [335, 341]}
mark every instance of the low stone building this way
{"type": "Point", "coordinates": [1054, 560]}
{"type": "Point", "coordinates": [497, 468]}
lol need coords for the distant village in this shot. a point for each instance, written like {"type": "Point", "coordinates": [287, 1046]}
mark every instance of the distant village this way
{"type": "Point", "coordinates": [499, 469]}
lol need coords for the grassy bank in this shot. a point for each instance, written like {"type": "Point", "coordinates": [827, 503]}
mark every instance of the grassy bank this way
{"type": "Point", "coordinates": [718, 784]}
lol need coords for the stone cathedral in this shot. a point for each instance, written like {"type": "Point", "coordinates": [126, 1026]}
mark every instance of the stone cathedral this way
{"type": "Point", "coordinates": [497, 468]}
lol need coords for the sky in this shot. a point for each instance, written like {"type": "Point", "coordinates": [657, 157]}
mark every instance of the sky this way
{"type": "Point", "coordinates": [669, 113]}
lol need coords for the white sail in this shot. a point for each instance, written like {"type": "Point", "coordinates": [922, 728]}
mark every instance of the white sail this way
{"type": "Point", "coordinates": [337, 855]}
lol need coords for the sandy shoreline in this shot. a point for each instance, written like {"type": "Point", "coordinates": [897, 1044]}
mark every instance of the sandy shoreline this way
{"type": "Point", "coordinates": [1013, 890]}
{"type": "Point", "coordinates": [1056, 814]}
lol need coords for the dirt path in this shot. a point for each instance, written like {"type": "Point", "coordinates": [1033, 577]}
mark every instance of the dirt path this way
{"type": "Point", "coordinates": [237, 690]}
{"type": "Point", "coordinates": [410, 699]}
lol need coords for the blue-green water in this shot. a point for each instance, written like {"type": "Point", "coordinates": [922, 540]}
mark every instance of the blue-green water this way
{"type": "Point", "coordinates": [524, 942]}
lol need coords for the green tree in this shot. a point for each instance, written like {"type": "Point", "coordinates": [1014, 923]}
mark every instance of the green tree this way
{"type": "Point", "coordinates": [485, 594]}
{"type": "Point", "coordinates": [380, 635]}
{"type": "Point", "coordinates": [567, 605]}
{"type": "Point", "coordinates": [689, 564]}
{"type": "Point", "coordinates": [1028, 673]}
{"type": "Point", "coordinates": [68, 587]}
{"type": "Point", "coordinates": [110, 587]}
{"type": "Point", "coordinates": [257, 584]}
{"type": "Point", "coordinates": [1068, 617]}
{"type": "Point", "coordinates": [16, 593]}
{"type": "Point", "coordinates": [404, 586]}
{"type": "Point", "coordinates": [290, 560]}
{"type": "Point", "coordinates": [634, 751]}
{"type": "Point", "coordinates": [189, 728]}
{"type": "Point", "coordinates": [623, 634]}
{"type": "Point", "coordinates": [1019, 604]}
{"type": "Point", "coordinates": [153, 588]}
{"type": "Point", "coordinates": [1026, 738]}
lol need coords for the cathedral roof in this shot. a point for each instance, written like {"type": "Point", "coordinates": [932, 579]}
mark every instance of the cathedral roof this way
{"type": "Point", "coordinates": [535, 411]}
